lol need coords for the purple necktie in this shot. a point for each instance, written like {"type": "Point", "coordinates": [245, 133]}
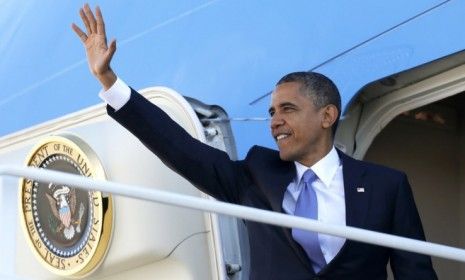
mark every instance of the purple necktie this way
{"type": "Point", "coordinates": [307, 206]}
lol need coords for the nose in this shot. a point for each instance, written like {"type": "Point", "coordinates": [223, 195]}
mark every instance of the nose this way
{"type": "Point", "coordinates": [276, 121]}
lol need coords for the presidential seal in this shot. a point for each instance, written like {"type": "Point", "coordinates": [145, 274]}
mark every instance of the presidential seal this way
{"type": "Point", "coordinates": [68, 229]}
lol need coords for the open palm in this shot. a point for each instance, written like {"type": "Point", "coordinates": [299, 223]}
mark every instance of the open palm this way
{"type": "Point", "coordinates": [99, 54]}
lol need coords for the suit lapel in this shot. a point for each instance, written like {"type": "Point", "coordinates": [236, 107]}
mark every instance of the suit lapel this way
{"type": "Point", "coordinates": [357, 197]}
{"type": "Point", "coordinates": [279, 182]}
{"type": "Point", "coordinates": [357, 192]}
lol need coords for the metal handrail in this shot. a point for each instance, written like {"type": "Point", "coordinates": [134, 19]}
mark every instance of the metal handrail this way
{"type": "Point", "coordinates": [243, 212]}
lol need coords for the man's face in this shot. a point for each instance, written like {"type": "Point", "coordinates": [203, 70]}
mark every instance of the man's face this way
{"type": "Point", "coordinates": [296, 124]}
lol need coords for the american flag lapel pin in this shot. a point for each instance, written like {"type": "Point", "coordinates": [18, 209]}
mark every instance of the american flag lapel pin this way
{"type": "Point", "coordinates": [360, 189]}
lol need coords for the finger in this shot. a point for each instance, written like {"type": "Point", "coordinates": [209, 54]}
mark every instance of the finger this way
{"type": "Point", "coordinates": [91, 18]}
{"type": "Point", "coordinates": [110, 51]}
{"type": "Point", "coordinates": [85, 21]}
{"type": "Point", "coordinates": [79, 32]}
{"type": "Point", "coordinates": [100, 22]}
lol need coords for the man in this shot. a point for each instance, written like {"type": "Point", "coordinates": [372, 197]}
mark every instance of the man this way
{"type": "Point", "coordinates": [307, 177]}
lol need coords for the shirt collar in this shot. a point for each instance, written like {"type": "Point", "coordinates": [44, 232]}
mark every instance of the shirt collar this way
{"type": "Point", "coordinates": [325, 168]}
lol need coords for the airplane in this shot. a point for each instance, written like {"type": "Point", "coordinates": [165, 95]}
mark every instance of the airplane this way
{"type": "Point", "coordinates": [399, 66]}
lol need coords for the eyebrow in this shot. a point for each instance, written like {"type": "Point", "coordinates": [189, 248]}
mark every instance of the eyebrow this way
{"type": "Point", "coordinates": [281, 105]}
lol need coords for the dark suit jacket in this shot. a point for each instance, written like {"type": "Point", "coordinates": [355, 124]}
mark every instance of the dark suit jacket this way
{"type": "Point", "coordinates": [260, 181]}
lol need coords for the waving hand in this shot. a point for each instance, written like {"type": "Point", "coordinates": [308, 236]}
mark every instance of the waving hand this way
{"type": "Point", "coordinates": [99, 53]}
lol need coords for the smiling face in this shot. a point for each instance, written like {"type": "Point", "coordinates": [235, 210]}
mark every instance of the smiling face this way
{"type": "Point", "coordinates": [301, 130]}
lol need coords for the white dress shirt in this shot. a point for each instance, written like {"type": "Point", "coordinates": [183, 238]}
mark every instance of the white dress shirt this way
{"type": "Point", "coordinates": [329, 187]}
{"type": "Point", "coordinates": [117, 95]}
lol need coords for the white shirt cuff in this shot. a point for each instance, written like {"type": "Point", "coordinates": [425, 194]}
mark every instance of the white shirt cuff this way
{"type": "Point", "coordinates": [116, 96]}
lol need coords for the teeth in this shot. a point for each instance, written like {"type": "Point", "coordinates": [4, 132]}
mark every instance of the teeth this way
{"type": "Point", "coordinates": [281, 136]}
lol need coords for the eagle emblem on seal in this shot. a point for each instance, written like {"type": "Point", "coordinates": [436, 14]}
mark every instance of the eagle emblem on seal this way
{"type": "Point", "coordinates": [62, 201]}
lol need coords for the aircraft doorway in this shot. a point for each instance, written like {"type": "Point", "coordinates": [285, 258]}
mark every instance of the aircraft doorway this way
{"type": "Point", "coordinates": [414, 121]}
{"type": "Point", "coordinates": [428, 143]}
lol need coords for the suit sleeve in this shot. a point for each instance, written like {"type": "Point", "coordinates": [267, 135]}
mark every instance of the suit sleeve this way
{"type": "Point", "coordinates": [406, 222]}
{"type": "Point", "coordinates": [209, 169]}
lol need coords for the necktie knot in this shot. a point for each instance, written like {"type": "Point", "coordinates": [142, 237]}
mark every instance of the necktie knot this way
{"type": "Point", "coordinates": [309, 176]}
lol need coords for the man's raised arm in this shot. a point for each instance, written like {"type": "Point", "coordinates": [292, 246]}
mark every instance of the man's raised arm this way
{"type": "Point", "coordinates": [99, 53]}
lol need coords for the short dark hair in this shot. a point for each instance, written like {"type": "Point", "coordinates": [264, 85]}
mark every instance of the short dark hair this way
{"type": "Point", "coordinates": [318, 87]}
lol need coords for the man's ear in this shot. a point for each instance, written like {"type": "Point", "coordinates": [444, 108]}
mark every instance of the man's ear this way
{"type": "Point", "coordinates": [330, 114]}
